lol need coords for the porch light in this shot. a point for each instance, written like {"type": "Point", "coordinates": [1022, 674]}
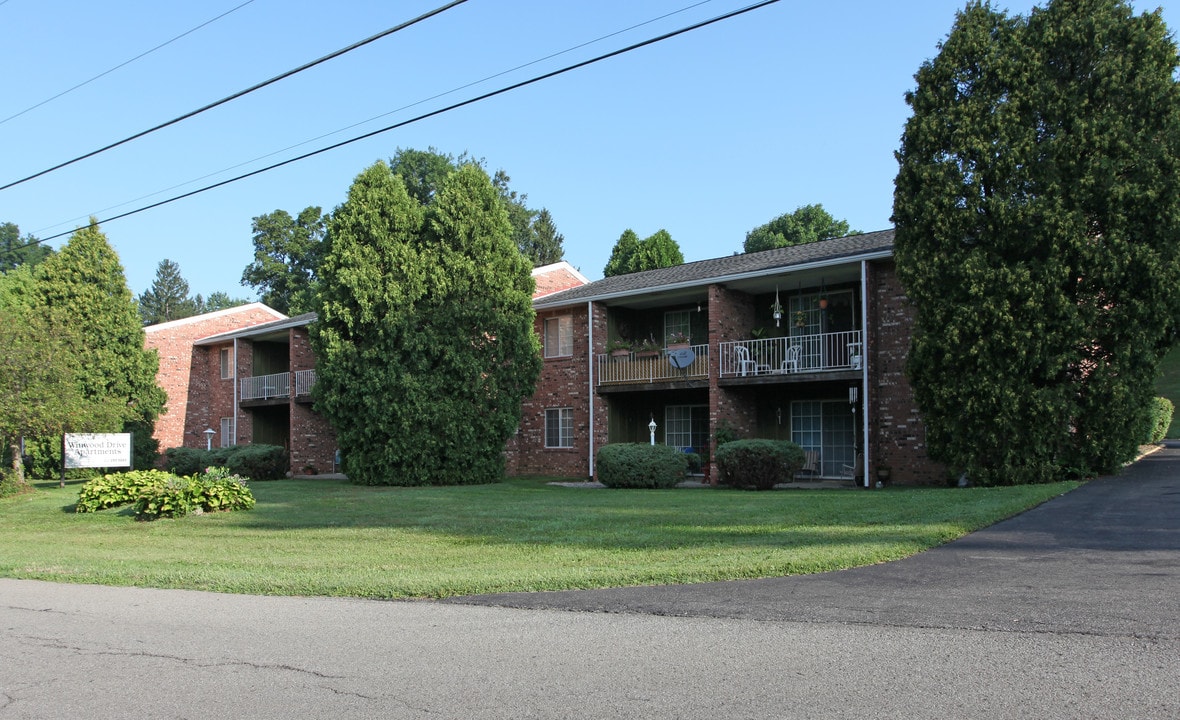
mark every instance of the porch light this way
{"type": "Point", "coordinates": [209, 433]}
{"type": "Point", "coordinates": [651, 428]}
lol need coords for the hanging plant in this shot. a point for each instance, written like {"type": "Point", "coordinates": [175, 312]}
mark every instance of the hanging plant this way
{"type": "Point", "coordinates": [800, 319]}
{"type": "Point", "coordinates": [776, 310]}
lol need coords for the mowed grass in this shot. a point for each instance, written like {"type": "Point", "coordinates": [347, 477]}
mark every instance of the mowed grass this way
{"type": "Point", "coordinates": [331, 538]}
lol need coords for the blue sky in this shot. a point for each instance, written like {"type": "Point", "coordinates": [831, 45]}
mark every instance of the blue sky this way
{"type": "Point", "coordinates": [706, 135]}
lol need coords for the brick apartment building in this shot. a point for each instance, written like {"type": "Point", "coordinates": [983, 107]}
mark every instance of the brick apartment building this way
{"type": "Point", "coordinates": [827, 373]}
{"type": "Point", "coordinates": [244, 375]}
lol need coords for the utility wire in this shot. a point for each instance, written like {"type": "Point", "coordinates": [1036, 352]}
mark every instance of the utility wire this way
{"type": "Point", "coordinates": [378, 117]}
{"type": "Point", "coordinates": [464, 103]}
{"type": "Point", "coordinates": [247, 91]}
{"type": "Point", "coordinates": [128, 62]}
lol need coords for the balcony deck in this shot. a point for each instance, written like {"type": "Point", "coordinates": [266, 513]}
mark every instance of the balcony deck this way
{"type": "Point", "coordinates": [276, 388]}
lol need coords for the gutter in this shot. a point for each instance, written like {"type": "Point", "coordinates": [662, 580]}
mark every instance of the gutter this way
{"type": "Point", "coordinates": [590, 375]}
{"type": "Point", "coordinates": [688, 284]}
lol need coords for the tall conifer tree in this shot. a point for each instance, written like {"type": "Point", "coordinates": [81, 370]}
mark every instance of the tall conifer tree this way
{"type": "Point", "coordinates": [1037, 208]}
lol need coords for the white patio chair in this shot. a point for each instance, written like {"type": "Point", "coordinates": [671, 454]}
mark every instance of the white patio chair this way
{"type": "Point", "coordinates": [746, 364]}
{"type": "Point", "coordinates": [791, 361]}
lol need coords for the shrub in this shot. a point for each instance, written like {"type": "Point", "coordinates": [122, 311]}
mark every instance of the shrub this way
{"type": "Point", "coordinates": [635, 465]}
{"type": "Point", "coordinates": [1161, 419]}
{"type": "Point", "coordinates": [173, 498]}
{"type": "Point", "coordinates": [9, 484]}
{"type": "Point", "coordinates": [725, 432]}
{"type": "Point", "coordinates": [258, 462]}
{"type": "Point", "coordinates": [187, 460]}
{"type": "Point", "coordinates": [215, 490]}
{"type": "Point", "coordinates": [758, 464]}
{"type": "Point", "coordinates": [119, 489]}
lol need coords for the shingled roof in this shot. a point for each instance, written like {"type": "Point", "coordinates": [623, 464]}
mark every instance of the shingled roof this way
{"type": "Point", "coordinates": [726, 268]}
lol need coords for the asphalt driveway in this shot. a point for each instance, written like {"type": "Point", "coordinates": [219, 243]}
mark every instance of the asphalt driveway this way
{"type": "Point", "coordinates": [1102, 560]}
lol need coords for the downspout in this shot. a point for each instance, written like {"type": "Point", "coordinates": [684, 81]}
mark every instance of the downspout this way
{"type": "Point", "coordinates": [864, 366]}
{"type": "Point", "coordinates": [237, 391]}
{"type": "Point", "coordinates": [590, 374]}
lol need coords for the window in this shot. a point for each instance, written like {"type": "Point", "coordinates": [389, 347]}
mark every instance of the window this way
{"type": "Point", "coordinates": [826, 427]}
{"type": "Point", "coordinates": [687, 427]}
{"type": "Point", "coordinates": [559, 428]}
{"type": "Point", "coordinates": [677, 321]}
{"type": "Point", "coordinates": [227, 363]}
{"type": "Point", "coordinates": [559, 336]}
{"type": "Point", "coordinates": [228, 436]}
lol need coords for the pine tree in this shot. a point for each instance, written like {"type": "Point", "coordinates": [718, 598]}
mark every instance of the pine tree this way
{"type": "Point", "coordinates": [167, 299]}
{"type": "Point", "coordinates": [83, 286]}
{"type": "Point", "coordinates": [1037, 208]}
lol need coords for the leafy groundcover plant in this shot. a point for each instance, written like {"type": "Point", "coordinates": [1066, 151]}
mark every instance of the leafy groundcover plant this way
{"type": "Point", "coordinates": [158, 494]}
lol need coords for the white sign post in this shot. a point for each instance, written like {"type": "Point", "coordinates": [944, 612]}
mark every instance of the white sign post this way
{"type": "Point", "coordinates": [95, 450]}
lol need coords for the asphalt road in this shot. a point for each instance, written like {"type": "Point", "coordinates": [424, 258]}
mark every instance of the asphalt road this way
{"type": "Point", "coordinates": [1067, 611]}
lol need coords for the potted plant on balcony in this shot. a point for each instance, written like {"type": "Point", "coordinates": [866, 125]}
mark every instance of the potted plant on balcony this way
{"type": "Point", "coordinates": [678, 341]}
{"type": "Point", "coordinates": [618, 348]}
{"type": "Point", "coordinates": [648, 348]}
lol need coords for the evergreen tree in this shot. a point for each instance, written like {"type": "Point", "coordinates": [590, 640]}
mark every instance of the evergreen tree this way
{"type": "Point", "coordinates": [544, 245]}
{"type": "Point", "coordinates": [630, 254]}
{"type": "Point", "coordinates": [1037, 208]}
{"type": "Point", "coordinates": [621, 254]}
{"type": "Point", "coordinates": [83, 286]}
{"type": "Point", "coordinates": [16, 250]}
{"type": "Point", "coordinates": [167, 299]}
{"type": "Point", "coordinates": [425, 331]}
{"type": "Point", "coordinates": [806, 224]}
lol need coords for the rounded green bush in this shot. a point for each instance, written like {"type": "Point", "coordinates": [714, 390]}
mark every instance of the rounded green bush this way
{"type": "Point", "coordinates": [758, 464]}
{"type": "Point", "coordinates": [635, 465]}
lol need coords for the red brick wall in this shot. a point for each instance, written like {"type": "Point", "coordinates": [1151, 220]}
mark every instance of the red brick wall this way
{"type": "Point", "coordinates": [313, 441]}
{"type": "Point", "coordinates": [564, 383]}
{"type": "Point", "coordinates": [897, 436]}
{"type": "Point", "coordinates": [185, 373]}
{"type": "Point", "coordinates": [731, 316]}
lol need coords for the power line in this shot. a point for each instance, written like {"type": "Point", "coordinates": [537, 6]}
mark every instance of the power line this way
{"type": "Point", "coordinates": [127, 62]}
{"type": "Point", "coordinates": [424, 116]}
{"type": "Point", "coordinates": [235, 96]}
{"type": "Point", "coordinates": [384, 114]}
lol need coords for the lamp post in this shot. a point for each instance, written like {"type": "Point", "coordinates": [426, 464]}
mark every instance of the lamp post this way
{"type": "Point", "coordinates": [651, 428]}
{"type": "Point", "coordinates": [209, 433]}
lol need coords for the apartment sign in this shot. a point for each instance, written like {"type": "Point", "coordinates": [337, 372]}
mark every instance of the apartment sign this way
{"type": "Point", "coordinates": [97, 450]}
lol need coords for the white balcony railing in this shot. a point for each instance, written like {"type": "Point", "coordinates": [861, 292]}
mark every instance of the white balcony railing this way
{"type": "Point", "coordinates": [266, 387]}
{"type": "Point", "coordinates": [636, 368]}
{"type": "Point", "coordinates": [804, 353]}
{"type": "Point", "coordinates": [304, 379]}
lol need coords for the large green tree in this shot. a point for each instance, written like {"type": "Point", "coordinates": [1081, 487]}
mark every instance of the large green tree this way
{"type": "Point", "coordinates": [630, 254]}
{"type": "Point", "coordinates": [807, 223]}
{"type": "Point", "coordinates": [1037, 208]}
{"type": "Point", "coordinates": [533, 231]}
{"type": "Point", "coordinates": [287, 252]}
{"type": "Point", "coordinates": [83, 286]}
{"type": "Point", "coordinates": [167, 299]}
{"type": "Point", "coordinates": [16, 250]}
{"type": "Point", "coordinates": [40, 395]}
{"type": "Point", "coordinates": [425, 339]}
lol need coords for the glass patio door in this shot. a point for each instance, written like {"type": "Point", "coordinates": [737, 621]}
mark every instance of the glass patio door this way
{"type": "Point", "coordinates": [827, 427]}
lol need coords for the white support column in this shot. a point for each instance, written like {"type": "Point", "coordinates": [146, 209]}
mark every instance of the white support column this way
{"type": "Point", "coordinates": [864, 369]}
{"type": "Point", "coordinates": [590, 375]}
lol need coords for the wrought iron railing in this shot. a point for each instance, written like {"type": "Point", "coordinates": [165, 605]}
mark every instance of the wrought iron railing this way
{"type": "Point", "coordinates": [304, 379]}
{"type": "Point", "coordinates": [266, 387]}
{"type": "Point", "coordinates": [822, 352]}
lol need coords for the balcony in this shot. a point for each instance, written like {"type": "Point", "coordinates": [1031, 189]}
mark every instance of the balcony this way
{"type": "Point", "coordinates": [660, 367]}
{"type": "Point", "coordinates": [277, 386]}
{"type": "Point", "coordinates": [824, 352]}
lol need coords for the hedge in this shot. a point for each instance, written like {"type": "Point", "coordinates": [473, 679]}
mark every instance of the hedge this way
{"type": "Point", "coordinates": [758, 464]}
{"type": "Point", "coordinates": [635, 465]}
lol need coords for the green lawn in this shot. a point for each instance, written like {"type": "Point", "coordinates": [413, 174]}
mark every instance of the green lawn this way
{"type": "Point", "coordinates": [1168, 386]}
{"type": "Point", "coordinates": [327, 537]}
